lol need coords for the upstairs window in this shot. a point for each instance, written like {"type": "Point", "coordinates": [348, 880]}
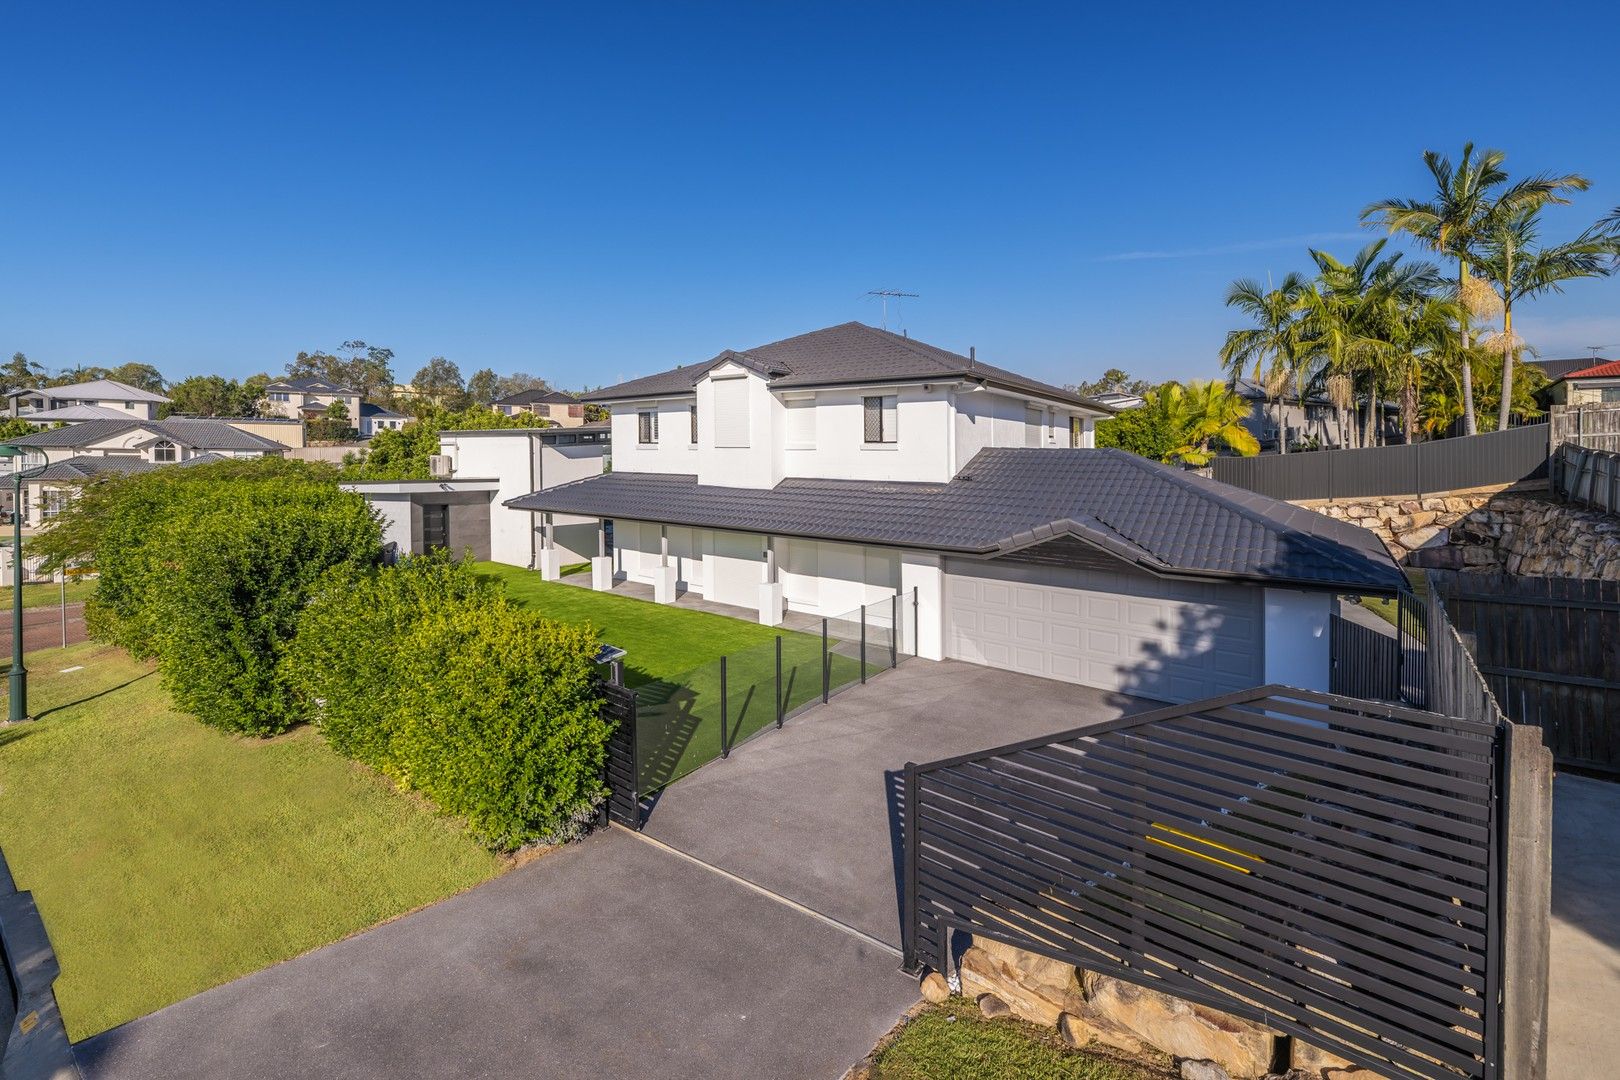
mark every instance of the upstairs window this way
{"type": "Point", "coordinates": [163, 451]}
{"type": "Point", "coordinates": [129, 404]}
{"type": "Point", "coordinates": [1609, 394]}
{"type": "Point", "coordinates": [692, 412]}
{"type": "Point", "coordinates": [1077, 428]}
{"type": "Point", "coordinates": [730, 412]}
{"type": "Point", "coordinates": [880, 420]}
{"type": "Point", "coordinates": [647, 427]}
{"type": "Point", "coordinates": [280, 395]}
{"type": "Point", "coordinates": [801, 423]}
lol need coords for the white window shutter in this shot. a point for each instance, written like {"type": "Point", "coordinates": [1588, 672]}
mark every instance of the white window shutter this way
{"type": "Point", "coordinates": [801, 422]}
{"type": "Point", "coordinates": [730, 412]}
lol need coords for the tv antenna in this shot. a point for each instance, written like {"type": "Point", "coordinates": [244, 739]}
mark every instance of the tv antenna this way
{"type": "Point", "coordinates": [884, 294]}
{"type": "Point", "coordinates": [1595, 349]}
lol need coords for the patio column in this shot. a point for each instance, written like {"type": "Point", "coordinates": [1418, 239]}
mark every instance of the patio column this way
{"type": "Point", "coordinates": [771, 600]}
{"type": "Point", "coordinates": [550, 557]}
{"type": "Point", "coordinates": [664, 576]}
{"type": "Point", "coordinates": [602, 565]}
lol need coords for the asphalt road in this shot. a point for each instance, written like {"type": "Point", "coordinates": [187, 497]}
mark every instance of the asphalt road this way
{"type": "Point", "coordinates": [42, 628]}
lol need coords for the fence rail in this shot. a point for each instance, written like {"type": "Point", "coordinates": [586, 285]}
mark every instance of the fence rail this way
{"type": "Point", "coordinates": [1595, 425]}
{"type": "Point", "coordinates": [1326, 866]}
{"type": "Point", "coordinates": [667, 728]}
{"type": "Point", "coordinates": [1587, 476]}
{"type": "Point", "coordinates": [1498, 457]}
{"type": "Point", "coordinates": [1366, 662]}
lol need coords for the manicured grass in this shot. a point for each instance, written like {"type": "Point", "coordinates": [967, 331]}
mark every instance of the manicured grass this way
{"type": "Point", "coordinates": [570, 569]}
{"type": "Point", "coordinates": [167, 857]}
{"type": "Point", "coordinates": [48, 594]}
{"type": "Point", "coordinates": [672, 657]}
{"type": "Point", "coordinates": [953, 1041]}
{"type": "Point", "coordinates": [1385, 607]}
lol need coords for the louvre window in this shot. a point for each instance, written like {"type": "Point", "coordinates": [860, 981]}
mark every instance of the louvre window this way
{"type": "Point", "coordinates": [647, 428]}
{"type": "Point", "coordinates": [730, 412]}
{"type": "Point", "coordinates": [801, 423]}
{"type": "Point", "coordinates": [1076, 427]}
{"type": "Point", "coordinates": [880, 420]}
{"type": "Point", "coordinates": [693, 413]}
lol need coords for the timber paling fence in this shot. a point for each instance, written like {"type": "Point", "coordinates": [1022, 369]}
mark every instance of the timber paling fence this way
{"type": "Point", "coordinates": [665, 729]}
{"type": "Point", "coordinates": [1331, 867]}
{"type": "Point", "coordinates": [1498, 457]}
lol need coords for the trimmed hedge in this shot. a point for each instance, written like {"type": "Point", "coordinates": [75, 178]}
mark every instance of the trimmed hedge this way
{"type": "Point", "coordinates": [486, 708]}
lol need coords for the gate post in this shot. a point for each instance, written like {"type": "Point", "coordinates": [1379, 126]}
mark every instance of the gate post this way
{"type": "Point", "coordinates": [908, 928]}
{"type": "Point", "coordinates": [1526, 847]}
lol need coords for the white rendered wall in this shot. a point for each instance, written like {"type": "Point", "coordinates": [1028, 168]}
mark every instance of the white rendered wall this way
{"type": "Point", "coordinates": [755, 465]}
{"type": "Point", "coordinates": [920, 452]}
{"type": "Point", "coordinates": [924, 573]}
{"type": "Point", "coordinates": [508, 459]}
{"type": "Point", "coordinates": [1298, 651]}
{"type": "Point", "coordinates": [672, 453]}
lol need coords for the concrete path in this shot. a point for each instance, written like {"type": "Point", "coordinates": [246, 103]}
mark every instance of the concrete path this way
{"type": "Point", "coordinates": [1584, 997]}
{"type": "Point", "coordinates": [813, 811]}
{"type": "Point", "coordinates": [607, 959]}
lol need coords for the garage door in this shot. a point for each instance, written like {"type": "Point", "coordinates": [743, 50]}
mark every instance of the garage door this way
{"type": "Point", "coordinates": [1125, 631]}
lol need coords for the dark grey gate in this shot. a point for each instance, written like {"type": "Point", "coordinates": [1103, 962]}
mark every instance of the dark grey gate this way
{"type": "Point", "coordinates": [1328, 867]}
{"type": "Point", "coordinates": [1366, 662]}
{"type": "Point", "coordinates": [624, 800]}
{"type": "Point", "coordinates": [435, 526]}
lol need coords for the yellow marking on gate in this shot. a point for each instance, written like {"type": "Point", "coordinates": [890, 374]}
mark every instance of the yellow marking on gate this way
{"type": "Point", "coordinates": [1206, 843]}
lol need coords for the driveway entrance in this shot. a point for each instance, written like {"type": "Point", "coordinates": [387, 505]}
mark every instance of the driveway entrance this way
{"type": "Point", "coordinates": [812, 812]}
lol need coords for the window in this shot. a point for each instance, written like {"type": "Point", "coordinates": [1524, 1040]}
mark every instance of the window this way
{"type": "Point", "coordinates": [576, 412]}
{"type": "Point", "coordinates": [1077, 427]}
{"type": "Point", "coordinates": [52, 501]}
{"type": "Point", "coordinates": [801, 423]}
{"type": "Point", "coordinates": [1034, 423]}
{"type": "Point", "coordinates": [129, 404]}
{"type": "Point", "coordinates": [542, 410]}
{"type": "Point", "coordinates": [730, 412]}
{"type": "Point", "coordinates": [692, 412]}
{"type": "Point", "coordinates": [280, 395]}
{"type": "Point", "coordinates": [880, 421]}
{"type": "Point", "coordinates": [163, 451]}
{"type": "Point", "coordinates": [647, 427]}
{"type": "Point", "coordinates": [1608, 394]}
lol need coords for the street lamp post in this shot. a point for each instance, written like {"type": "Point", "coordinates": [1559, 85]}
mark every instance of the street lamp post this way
{"type": "Point", "coordinates": [19, 674]}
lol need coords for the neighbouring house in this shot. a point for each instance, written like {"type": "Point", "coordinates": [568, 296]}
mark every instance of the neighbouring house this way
{"type": "Point", "coordinates": [1316, 419]}
{"type": "Point", "coordinates": [284, 430]}
{"type": "Point", "coordinates": [851, 466]}
{"type": "Point", "coordinates": [1597, 383]}
{"type": "Point", "coordinates": [98, 399]}
{"type": "Point", "coordinates": [1557, 369]}
{"type": "Point", "coordinates": [1119, 400]}
{"type": "Point", "coordinates": [564, 410]}
{"type": "Point", "coordinates": [79, 453]}
{"type": "Point", "coordinates": [465, 509]}
{"type": "Point", "coordinates": [310, 399]}
{"type": "Point", "coordinates": [375, 418]}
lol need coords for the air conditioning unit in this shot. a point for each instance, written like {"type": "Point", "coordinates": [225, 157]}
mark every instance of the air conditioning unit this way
{"type": "Point", "coordinates": [440, 466]}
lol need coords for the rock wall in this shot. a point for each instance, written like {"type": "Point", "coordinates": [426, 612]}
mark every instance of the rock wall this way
{"type": "Point", "coordinates": [1088, 1007]}
{"type": "Point", "coordinates": [1490, 532]}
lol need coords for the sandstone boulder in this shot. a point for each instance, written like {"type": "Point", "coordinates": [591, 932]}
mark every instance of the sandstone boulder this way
{"type": "Point", "coordinates": [1035, 988]}
{"type": "Point", "coordinates": [1179, 1028]}
{"type": "Point", "coordinates": [934, 987]}
{"type": "Point", "coordinates": [1319, 1064]}
{"type": "Point", "coordinates": [993, 1007]}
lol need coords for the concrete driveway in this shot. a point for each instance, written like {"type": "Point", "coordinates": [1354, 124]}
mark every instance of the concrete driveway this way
{"type": "Point", "coordinates": [1583, 1040]}
{"type": "Point", "coordinates": [609, 958]}
{"type": "Point", "coordinates": [812, 812]}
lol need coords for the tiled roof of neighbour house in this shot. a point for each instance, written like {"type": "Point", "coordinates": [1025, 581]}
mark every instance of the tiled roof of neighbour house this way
{"type": "Point", "coordinates": [1159, 518]}
{"type": "Point", "coordinates": [72, 414]}
{"type": "Point", "coordinates": [848, 354]}
{"type": "Point", "coordinates": [310, 386]}
{"type": "Point", "coordinates": [368, 408]}
{"type": "Point", "coordinates": [1605, 369]}
{"type": "Point", "coordinates": [1558, 369]}
{"type": "Point", "coordinates": [537, 397]}
{"type": "Point", "coordinates": [91, 467]}
{"type": "Point", "coordinates": [95, 388]}
{"type": "Point", "coordinates": [197, 433]}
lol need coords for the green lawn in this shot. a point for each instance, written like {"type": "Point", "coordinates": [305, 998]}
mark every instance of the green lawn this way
{"type": "Point", "coordinates": [953, 1041]}
{"type": "Point", "coordinates": [48, 594]}
{"type": "Point", "coordinates": [167, 857]}
{"type": "Point", "coordinates": [1385, 607]}
{"type": "Point", "coordinates": [672, 657]}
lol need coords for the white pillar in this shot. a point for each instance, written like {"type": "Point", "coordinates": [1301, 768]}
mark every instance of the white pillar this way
{"type": "Point", "coordinates": [550, 557]}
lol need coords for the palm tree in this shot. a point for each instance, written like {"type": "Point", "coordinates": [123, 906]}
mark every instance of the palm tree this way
{"type": "Point", "coordinates": [1520, 270]}
{"type": "Point", "coordinates": [1423, 330]}
{"type": "Point", "coordinates": [1272, 343]}
{"type": "Point", "coordinates": [1210, 413]}
{"type": "Point", "coordinates": [1469, 202]}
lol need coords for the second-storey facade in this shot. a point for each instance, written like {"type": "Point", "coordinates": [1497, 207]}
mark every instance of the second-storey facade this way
{"type": "Point", "coordinates": [310, 399]}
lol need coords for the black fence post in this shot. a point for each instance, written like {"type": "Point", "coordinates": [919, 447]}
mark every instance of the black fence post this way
{"type": "Point", "coordinates": [778, 680]}
{"type": "Point", "coordinates": [826, 672]}
{"type": "Point", "coordinates": [894, 631]}
{"type": "Point", "coordinates": [863, 644]}
{"type": "Point", "coordinates": [908, 928]}
{"type": "Point", "coordinates": [916, 623]}
{"type": "Point", "coordinates": [725, 721]}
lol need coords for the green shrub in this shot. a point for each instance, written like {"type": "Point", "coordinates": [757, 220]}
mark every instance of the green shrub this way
{"type": "Point", "coordinates": [431, 675]}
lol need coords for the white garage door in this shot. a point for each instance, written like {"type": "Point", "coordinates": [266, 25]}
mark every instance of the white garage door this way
{"type": "Point", "coordinates": [1125, 631]}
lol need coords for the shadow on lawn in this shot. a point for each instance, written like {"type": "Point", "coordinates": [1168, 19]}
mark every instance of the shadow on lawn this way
{"type": "Point", "coordinates": [103, 692]}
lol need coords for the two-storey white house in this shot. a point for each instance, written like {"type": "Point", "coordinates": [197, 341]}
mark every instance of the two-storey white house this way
{"type": "Point", "coordinates": [98, 399]}
{"type": "Point", "coordinates": [311, 399]}
{"type": "Point", "coordinates": [851, 466]}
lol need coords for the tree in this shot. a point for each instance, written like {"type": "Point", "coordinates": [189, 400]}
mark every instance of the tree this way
{"type": "Point", "coordinates": [1112, 381]}
{"type": "Point", "coordinates": [1208, 414]}
{"type": "Point", "coordinates": [1521, 270]}
{"type": "Point", "coordinates": [140, 376]}
{"type": "Point", "coordinates": [439, 382]}
{"type": "Point", "coordinates": [1469, 203]}
{"type": "Point", "coordinates": [518, 381]}
{"type": "Point", "coordinates": [77, 374]}
{"type": "Point", "coordinates": [214, 395]}
{"type": "Point", "coordinates": [369, 369]}
{"type": "Point", "coordinates": [484, 387]}
{"type": "Point", "coordinates": [403, 454]}
{"type": "Point", "coordinates": [1273, 344]}
{"type": "Point", "coordinates": [21, 372]}
{"type": "Point", "coordinates": [1144, 431]}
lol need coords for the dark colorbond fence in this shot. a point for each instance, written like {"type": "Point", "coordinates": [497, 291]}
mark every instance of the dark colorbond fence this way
{"type": "Point", "coordinates": [1329, 867]}
{"type": "Point", "coordinates": [666, 729]}
{"type": "Point", "coordinates": [1500, 457]}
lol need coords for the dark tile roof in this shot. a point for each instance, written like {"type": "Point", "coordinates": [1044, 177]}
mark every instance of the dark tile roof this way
{"type": "Point", "coordinates": [311, 386]}
{"type": "Point", "coordinates": [1597, 369]}
{"type": "Point", "coordinates": [1159, 518]}
{"type": "Point", "coordinates": [851, 353]}
{"type": "Point", "coordinates": [84, 467]}
{"type": "Point", "coordinates": [200, 434]}
{"type": "Point", "coordinates": [1557, 369]}
{"type": "Point", "coordinates": [368, 408]}
{"type": "Point", "coordinates": [538, 397]}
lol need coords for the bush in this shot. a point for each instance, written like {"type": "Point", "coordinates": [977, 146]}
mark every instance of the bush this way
{"type": "Point", "coordinates": [486, 708]}
{"type": "Point", "coordinates": [207, 567]}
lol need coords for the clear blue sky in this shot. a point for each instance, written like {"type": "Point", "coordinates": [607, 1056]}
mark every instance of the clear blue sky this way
{"type": "Point", "coordinates": [590, 192]}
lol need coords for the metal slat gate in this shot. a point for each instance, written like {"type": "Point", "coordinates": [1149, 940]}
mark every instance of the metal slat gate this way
{"type": "Point", "coordinates": [1325, 866]}
{"type": "Point", "coordinates": [624, 800]}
